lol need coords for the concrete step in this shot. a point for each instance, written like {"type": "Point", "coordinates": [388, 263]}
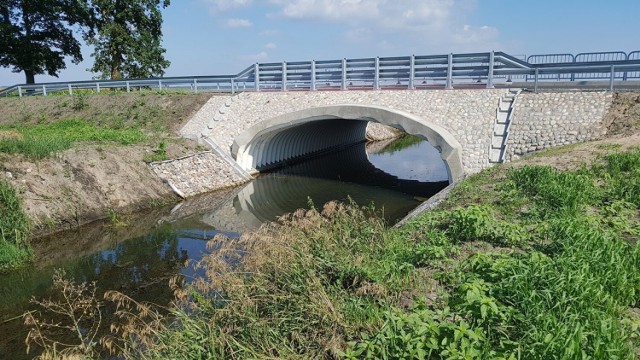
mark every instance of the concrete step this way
{"type": "Point", "coordinates": [495, 156]}
{"type": "Point", "coordinates": [496, 142]}
{"type": "Point", "coordinates": [504, 105]}
{"type": "Point", "coordinates": [502, 118]}
{"type": "Point", "coordinates": [499, 129]}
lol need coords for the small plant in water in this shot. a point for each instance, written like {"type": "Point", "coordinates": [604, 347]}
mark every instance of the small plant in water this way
{"type": "Point", "coordinates": [114, 217]}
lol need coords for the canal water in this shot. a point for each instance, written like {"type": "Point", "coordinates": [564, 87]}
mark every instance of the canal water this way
{"type": "Point", "coordinates": [140, 256]}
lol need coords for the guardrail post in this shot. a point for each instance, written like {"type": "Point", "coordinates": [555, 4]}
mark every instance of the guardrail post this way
{"type": "Point", "coordinates": [159, 84]}
{"type": "Point", "coordinates": [128, 87]}
{"type": "Point", "coordinates": [535, 81]}
{"type": "Point", "coordinates": [195, 86]}
{"type": "Point", "coordinates": [412, 70]}
{"type": "Point", "coordinates": [376, 75]}
{"type": "Point", "coordinates": [98, 88]}
{"type": "Point", "coordinates": [70, 91]}
{"type": "Point", "coordinates": [233, 87]}
{"type": "Point", "coordinates": [313, 75]}
{"type": "Point", "coordinates": [284, 76]}
{"type": "Point", "coordinates": [449, 84]}
{"type": "Point", "coordinates": [343, 86]}
{"type": "Point", "coordinates": [612, 77]}
{"type": "Point", "coordinates": [20, 91]}
{"type": "Point", "coordinates": [256, 76]}
{"type": "Point", "coordinates": [44, 90]}
{"type": "Point", "coordinates": [490, 75]}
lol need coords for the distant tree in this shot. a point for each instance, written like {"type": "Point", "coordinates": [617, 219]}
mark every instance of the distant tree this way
{"type": "Point", "coordinates": [128, 39]}
{"type": "Point", "coordinates": [37, 35]}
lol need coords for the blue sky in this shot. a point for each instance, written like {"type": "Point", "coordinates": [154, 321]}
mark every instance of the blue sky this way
{"type": "Point", "coordinates": [205, 37]}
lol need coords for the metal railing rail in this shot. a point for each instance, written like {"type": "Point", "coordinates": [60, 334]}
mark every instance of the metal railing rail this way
{"type": "Point", "coordinates": [401, 72]}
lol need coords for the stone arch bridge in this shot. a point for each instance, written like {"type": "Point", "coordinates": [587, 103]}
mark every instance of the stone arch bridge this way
{"type": "Point", "coordinates": [472, 129]}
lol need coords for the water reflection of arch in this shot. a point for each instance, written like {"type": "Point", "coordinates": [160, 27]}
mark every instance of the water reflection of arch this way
{"type": "Point", "coordinates": [274, 194]}
{"type": "Point", "coordinates": [307, 132]}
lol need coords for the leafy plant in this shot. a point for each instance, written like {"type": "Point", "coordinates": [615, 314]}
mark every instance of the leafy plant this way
{"type": "Point", "coordinates": [80, 101]}
{"type": "Point", "coordinates": [15, 229]}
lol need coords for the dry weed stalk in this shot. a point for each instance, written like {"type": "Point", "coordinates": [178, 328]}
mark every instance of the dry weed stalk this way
{"type": "Point", "coordinates": [76, 316]}
{"type": "Point", "coordinates": [138, 326]}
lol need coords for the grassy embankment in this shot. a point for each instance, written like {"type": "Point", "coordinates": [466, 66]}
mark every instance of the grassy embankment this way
{"type": "Point", "coordinates": [526, 263]}
{"type": "Point", "coordinates": [37, 128]}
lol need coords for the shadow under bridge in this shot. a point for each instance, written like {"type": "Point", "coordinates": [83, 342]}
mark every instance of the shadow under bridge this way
{"type": "Point", "coordinates": [294, 136]}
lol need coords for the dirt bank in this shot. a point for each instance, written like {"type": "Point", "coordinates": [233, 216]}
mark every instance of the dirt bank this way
{"type": "Point", "coordinates": [95, 181]}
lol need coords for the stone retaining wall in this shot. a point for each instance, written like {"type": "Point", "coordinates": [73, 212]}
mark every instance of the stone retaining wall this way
{"type": "Point", "coordinates": [545, 120]}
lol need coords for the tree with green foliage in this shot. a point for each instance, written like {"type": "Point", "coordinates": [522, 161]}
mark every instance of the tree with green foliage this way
{"type": "Point", "coordinates": [128, 39]}
{"type": "Point", "coordinates": [37, 35]}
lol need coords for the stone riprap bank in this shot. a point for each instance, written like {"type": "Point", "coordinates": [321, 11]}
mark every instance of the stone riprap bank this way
{"type": "Point", "coordinates": [538, 121]}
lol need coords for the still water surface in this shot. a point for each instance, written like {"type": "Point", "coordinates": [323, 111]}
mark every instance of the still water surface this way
{"type": "Point", "coordinates": [139, 259]}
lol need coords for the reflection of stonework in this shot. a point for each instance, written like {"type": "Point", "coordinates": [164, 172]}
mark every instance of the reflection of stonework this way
{"type": "Point", "coordinates": [215, 209]}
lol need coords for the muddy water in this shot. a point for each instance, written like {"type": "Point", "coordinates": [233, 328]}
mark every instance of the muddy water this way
{"type": "Point", "coordinates": [139, 258]}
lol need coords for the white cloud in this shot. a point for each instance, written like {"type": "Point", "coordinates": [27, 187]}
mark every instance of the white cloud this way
{"type": "Point", "coordinates": [327, 9]}
{"type": "Point", "coordinates": [391, 14]}
{"type": "Point", "coordinates": [469, 36]}
{"type": "Point", "coordinates": [261, 56]}
{"type": "Point", "coordinates": [384, 26]}
{"type": "Point", "coordinates": [270, 46]}
{"type": "Point", "coordinates": [237, 23]}
{"type": "Point", "coordinates": [224, 5]}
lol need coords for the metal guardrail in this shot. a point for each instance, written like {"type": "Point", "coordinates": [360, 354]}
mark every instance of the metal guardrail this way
{"type": "Point", "coordinates": [403, 72]}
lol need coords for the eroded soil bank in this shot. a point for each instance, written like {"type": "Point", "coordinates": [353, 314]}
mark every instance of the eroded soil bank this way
{"type": "Point", "coordinates": [94, 181]}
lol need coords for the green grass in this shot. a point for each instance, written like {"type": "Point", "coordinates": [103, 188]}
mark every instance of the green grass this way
{"type": "Point", "coordinates": [546, 267]}
{"type": "Point", "coordinates": [39, 141]}
{"type": "Point", "coordinates": [15, 230]}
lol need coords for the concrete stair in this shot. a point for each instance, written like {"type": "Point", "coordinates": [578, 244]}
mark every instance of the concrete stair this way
{"type": "Point", "coordinates": [501, 126]}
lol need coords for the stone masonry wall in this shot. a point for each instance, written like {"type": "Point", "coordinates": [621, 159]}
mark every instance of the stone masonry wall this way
{"type": "Point", "coordinates": [545, 120]}
{"type": "Point", "coordinates": [469, 115]}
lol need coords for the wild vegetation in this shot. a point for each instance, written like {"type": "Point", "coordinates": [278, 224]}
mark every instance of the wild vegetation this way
{"type": "Point", "coordinates": [41, 140]}
{"type": "Point", "coordinates": [520, 263]}
{"type": "Point", "coordinates": [15, 229]}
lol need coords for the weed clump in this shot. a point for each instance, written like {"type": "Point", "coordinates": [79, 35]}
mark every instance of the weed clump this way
{"type": "Point", "coordinates": [15, 229]}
